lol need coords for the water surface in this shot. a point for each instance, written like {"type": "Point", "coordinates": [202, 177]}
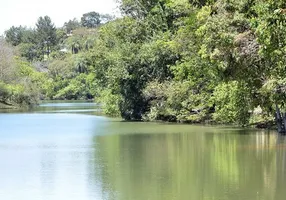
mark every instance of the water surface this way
{"type": "Point", "coordinates": [67, 151]}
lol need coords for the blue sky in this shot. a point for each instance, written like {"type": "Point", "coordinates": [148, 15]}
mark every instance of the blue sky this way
{"type": "Point", "coordinates": [26, 12]}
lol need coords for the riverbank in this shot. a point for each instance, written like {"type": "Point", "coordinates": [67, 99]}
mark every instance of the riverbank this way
{"type": "Point", "coordinates": [255, 123]}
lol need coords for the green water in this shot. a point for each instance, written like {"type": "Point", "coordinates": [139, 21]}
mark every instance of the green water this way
{"type": "Point", "coordinates": [68, 151]}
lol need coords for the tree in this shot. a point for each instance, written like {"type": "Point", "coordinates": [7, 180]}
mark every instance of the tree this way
{"type": "Point", "coordinates": [7, 64]}
{"type": "Point", "coordinates": [270, 25]}
{"type": "Point", "coordinates": [90, 20]}
{"type": "Point", "coordinates": [138, 9]}
{"type": "Point", "coordinates": [14, 35]}
{"type": "Point", "coordinates": [46, 35]}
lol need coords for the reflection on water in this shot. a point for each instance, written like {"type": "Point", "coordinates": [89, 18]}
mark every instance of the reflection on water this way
{"type": "Point", "coordinates": [191, 166]}
{"type": "Point", "coordinates": [69, 107]}
{"type": "Point", "coordinates": [55, 153]}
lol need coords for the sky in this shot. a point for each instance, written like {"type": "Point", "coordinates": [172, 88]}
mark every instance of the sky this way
{"type": "Point", "coordinates": [26, 12]}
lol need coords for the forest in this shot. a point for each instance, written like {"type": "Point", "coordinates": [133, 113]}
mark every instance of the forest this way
{"type": "Point", "coordinates": [189, 61]}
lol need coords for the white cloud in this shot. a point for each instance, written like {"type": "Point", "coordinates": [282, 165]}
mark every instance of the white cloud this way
{"type": "Point", "coordinates": [26, 12]}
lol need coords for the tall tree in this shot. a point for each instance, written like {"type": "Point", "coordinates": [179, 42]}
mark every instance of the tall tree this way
{"type": "Point", "coordinates": [46, 35]}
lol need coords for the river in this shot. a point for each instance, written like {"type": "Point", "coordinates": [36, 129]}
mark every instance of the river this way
{"type": "Point", "coordinates": [67, 151]}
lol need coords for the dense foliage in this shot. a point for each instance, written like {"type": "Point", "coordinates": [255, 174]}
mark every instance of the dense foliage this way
{"type": "Point", "coordinates": [175, 60]}
{"type": "Point", "coordinates": [19, 83]}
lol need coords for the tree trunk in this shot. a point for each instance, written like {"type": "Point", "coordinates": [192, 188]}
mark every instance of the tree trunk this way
{"type": "Point", "coordinates": [284, 122]}
{"type": "Point", "coordinates": [279, 120]}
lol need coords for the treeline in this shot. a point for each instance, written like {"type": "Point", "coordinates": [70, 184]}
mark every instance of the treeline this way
{"type": "Point", "coordinates": [54, 72]}
{"type": "Point", "coordinates": [176, 60]}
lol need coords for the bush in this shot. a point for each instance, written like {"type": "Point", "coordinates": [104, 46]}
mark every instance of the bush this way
{"type": "Point", "coordinates": [109, 102]}
{"type": "Point", "coordinates": [232, 102]}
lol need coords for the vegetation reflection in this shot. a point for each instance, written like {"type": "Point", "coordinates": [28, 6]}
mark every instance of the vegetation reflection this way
{"type": "Point", "coordinates": [213, 165]}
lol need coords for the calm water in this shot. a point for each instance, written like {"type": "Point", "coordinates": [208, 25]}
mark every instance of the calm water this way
{"type": "Point", "coordinates": [65, 151]}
